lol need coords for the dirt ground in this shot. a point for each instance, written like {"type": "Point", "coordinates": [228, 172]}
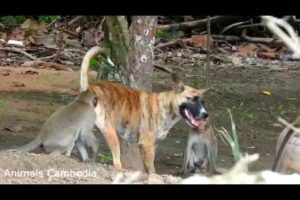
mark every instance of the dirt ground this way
{"type": "Point", "coordinates": [28, 96]}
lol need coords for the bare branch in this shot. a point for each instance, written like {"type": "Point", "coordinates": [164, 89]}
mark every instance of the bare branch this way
{"type": "Point", "coordinates": [163, 68]}
{"type": "Point", "coordinates": [233, 25]}
{"type": "Point", "coordinates": [291, 40]}
{"type": "Point", "coordinates": [12, 49]}
{"type": "Point", "coordinates": [187, 25]}
{"type": "Point", "coordinates": [258, 39]}
{"type": "Point", "coordinates": [290, 126]}
{"type": "Point", "coordinates": [74, 20]}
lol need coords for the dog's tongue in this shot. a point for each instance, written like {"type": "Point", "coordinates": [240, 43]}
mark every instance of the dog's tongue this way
{"type": "Point", "coordinates": [194, 121]}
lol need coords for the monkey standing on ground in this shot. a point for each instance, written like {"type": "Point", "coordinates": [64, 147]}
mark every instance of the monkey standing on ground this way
{"type": "Point", "coordinates": [69, 126]}
{"type": "Point", "coordinates": [201, 150]}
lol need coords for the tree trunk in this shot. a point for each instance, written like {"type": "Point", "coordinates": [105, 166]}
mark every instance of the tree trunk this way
{"type": "Point", "coordinates": [132, 48]}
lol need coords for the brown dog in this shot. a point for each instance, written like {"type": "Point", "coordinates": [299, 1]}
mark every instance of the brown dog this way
{"type": "Point", "coordinates": [138, 116]}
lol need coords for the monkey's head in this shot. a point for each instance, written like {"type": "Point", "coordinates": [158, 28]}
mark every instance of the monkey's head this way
{"type": "Point", "coordinates": [203, 127]}
{"type": "Point", "coordinates": [190, 103]}
{"type": "Point", "coordinates": [87, 97]}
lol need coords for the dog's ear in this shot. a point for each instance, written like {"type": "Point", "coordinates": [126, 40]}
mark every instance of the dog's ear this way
{"type": "Point", "coordinates": [178, 85]}
{"type": "Point", "coordinates": [204, 90]}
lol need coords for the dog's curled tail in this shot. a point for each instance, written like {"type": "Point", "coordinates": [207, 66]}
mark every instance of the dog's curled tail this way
{"type": "Point", "coordinates": [31, 145]}
{"type": "Point", "coordinates": [85, 66]}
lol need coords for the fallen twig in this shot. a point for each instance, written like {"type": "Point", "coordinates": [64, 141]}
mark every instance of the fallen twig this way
{"type": "Point", "coordinates": [295, 19]}
{"type": "Point", "coordinates": [64, 51]}
{"type": "Point", "coordinates": [250, 25]}
{"type": "Point", "coordinates": [45, 64]}
{"type": "Point", "coordinates": [233, 25]}
{"type": "Point", "coordinates": [172, 43]}
{"type": "Point", "coordinates": [12, 49]}
{"type": "Point", "coordinates": [74, 20]}
{"type": "Point", "coordinates": [61, 44]}
{"type": "Point", "coordinates": [74, 34]}
{"type": "Point", "coordinates": [101, 23]}
{"type": "Point", "coordinates": [290, 126]}
{"type": "Point", "coordinates": [163, 68]}
{"type": "Point", "coordinates": [230, 38]}
{"type": "Point", "coordinates": [186, 25]}
{"type": "Point", "coordinates": [258, 39]}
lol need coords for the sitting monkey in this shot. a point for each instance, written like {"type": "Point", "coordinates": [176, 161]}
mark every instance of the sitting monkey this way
{"type": "Point", "coordinates": [201, 150]}
{"type": "Point", "coordinates": [69, 126]}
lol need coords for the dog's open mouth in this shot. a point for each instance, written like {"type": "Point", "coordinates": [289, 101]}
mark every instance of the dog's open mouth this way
{"type": "Point", "coordinates": [193, 121]}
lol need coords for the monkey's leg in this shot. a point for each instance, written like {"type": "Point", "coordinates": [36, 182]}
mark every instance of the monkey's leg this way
{"type": "Point", "coordinates": [70, 148]}
{"type": "Point", "coordinates": [112, 140]}
{"type": "Point", "coordinates": [186, 159]}
{"type": "Point", "coordinates": [82, 150]}
{"type": "Point", "coordinates": [90, 140]}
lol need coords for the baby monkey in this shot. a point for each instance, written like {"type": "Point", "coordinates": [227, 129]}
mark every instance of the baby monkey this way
{"type": "Point", "coordinates": [69, 126]}
{"type": "Point", "coordinates": [201, 150]}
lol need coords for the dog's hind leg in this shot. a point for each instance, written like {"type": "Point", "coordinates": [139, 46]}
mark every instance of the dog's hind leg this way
{"type": "Point", "coordinates": [112, 140]}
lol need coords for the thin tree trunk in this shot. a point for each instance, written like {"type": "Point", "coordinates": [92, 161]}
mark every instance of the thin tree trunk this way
{"type": "Point", "coordinates": [131, 48]}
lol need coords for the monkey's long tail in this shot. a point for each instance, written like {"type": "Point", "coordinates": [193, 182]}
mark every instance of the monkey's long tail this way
{"type": "Point", "coordinates": [85, 66]}
{"type": "Point", "coordinates": [31, 145]}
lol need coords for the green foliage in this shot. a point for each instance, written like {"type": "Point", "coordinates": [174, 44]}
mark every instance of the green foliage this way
{"type": "Point", "coordinates": [48, 19]}
{"type": "Point", "coordinates": [104, 68]}
{"type": "Point", "coordinates": [105, 159]}
{"type": "Point", "coordinates": [249, 115]}
{"type": "Point", "coordinates": [169, 34]}
{"type": "Point", "coordinates": [2, 105]}
{"type": "Point", "coordinates": [17, 20]}
{"type": "Point", "coordinates": [12, 20]}
{"type": "Point", "coordinates": [231, 139]}
{"type": "Point", "coordinates": [199, 82]}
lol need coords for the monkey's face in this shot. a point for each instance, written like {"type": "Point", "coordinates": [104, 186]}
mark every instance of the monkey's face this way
{"type": "Point", "coordinates": [87, 97]}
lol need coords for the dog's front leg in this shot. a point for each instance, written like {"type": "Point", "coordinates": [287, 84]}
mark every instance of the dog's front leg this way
{"type": "Point", "coordinates": [147, 150]}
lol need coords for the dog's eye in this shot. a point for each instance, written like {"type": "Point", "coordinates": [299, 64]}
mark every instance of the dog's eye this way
{"type": "Point", "coordinates": [195, 98]}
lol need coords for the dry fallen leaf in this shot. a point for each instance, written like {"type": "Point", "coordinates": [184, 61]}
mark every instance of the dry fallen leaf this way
{"type": "Point", "coordinates": [266, 93]}
{"type": "Point", "coordinates": [18, 84]}
{"type": "Point", "coordinates": [248, 50]}
{"type": "Point", "coordinates": [30, 72]}
{"type": "Point", "coordinates": [276, 125]}
{"type": "Point", "coordinates": [34, 25]}
{"type": "Point", "coordinates": [200, 41]}
{"type": "Point", "coordinates": [45, 40]}
{"type": "Point", "coordinates": [5, 73]}
{"type": "Point", "coordinates": [268, 55]}
{"type": "Point", "coordinates": [15, 128]}
{"type": "Point", "coordinates": [265, 48]}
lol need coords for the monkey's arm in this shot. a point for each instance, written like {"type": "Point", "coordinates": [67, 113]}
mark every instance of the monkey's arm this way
{"type": "Point", "coordinates": [187, 155]}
